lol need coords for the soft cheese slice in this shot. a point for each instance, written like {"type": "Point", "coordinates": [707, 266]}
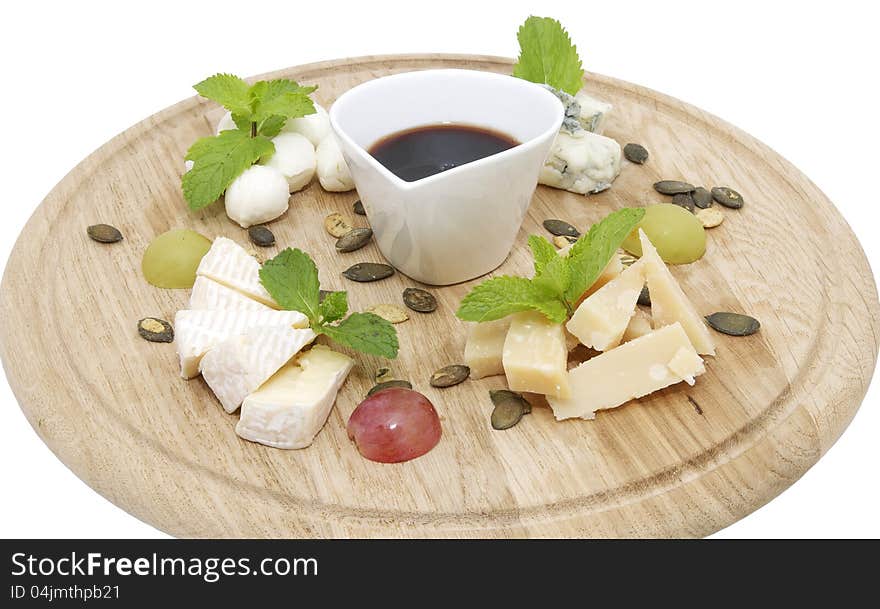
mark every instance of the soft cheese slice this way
{"type": "Point", "coordinates": [485, 347]}
{"type": "Point", "coordinates": [239, 365]}
{"type": "Point", "coordinates": [535, 356]}
{"type": "Point", "coordinates": [639, 325]}
{"type": "Point", "coordinates": [289, 409]}
{"type": "Point", "coordinates": [228, 263]}
{"type": "Point", "coordinates": [600, 321]}
{"type": "Point", "coordinates": [196, 332]}
{"type": "Point", "coordinates": [669, 303]}
{"type": "Point", "coordinates": [210, 295]}
{"type": "Point", "coordinates": [632, 370]}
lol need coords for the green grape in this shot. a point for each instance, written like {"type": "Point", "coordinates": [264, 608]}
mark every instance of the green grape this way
{"type": "Point", "coordinates": [172, 258]}
{"type": "Point", "coordinates": [677, 234]}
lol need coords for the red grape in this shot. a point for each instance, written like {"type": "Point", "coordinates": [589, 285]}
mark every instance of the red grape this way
{"type": "Point", "coordinates": [394, 425]}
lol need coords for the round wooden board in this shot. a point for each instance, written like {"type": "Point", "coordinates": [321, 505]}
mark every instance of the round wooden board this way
{"type": "Point", "coordinates": [113, 408]}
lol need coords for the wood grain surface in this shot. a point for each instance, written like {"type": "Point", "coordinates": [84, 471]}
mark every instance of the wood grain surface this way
{"type": "Point", "coordinates": [113, 408]}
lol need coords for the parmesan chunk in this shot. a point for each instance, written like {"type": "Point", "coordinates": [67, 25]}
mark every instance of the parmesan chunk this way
{"type": "Point", "coordinates": [639, 325]}
{"type": "Point", "coordinates": [535, 356]}
{"type": "Point", "coordinates": [485, 347]}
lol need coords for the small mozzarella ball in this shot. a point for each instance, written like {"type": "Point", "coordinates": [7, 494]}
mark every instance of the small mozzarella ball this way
{"type": "Point", "coordinates": [315, 126]}
{"type": "Point", "coordinates": [258, 195]}
{"type": "Point", "coordinates": [226, 123]}
{"type": "Point", "coordinates": [295, 158]}
{"type": "Point", "coordinates": [333, 173]}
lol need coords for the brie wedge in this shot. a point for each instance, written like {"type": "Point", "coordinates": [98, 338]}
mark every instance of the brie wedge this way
{"type": "Point", "coordinates": [228, 263]}
{"type": "Point", "coordinates": [210, 295]}
{"type": "Point", "coordinates": [289, 409]}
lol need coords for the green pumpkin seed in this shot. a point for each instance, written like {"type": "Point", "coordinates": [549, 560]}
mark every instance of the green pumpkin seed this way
{"type": "Point", "coordinates": [645, 297]}
{"type": "Point", "coordinates": [336, 225]}
{"type": "Point", "coordinates": [635, 153]}
{"type": "Point", "coordinates": [104, 233]}
{"type": "Point", "coordinates": [684, 199]}
{"type": "Point", "coordinates": [261, 236]}
{"type": "Point", "coordinates": [382, 375]}
{"type": "Point", "coordinates": [702, 198]}
{"type": "Point", "coordinates": [450, 375]}
{"type": "Point", "coordinates": [364, 272]}
{"type": "Point", "coordinates": [354, 239]}
{"type": "Point", "coordinates": [419, 300]}
{"type": "Point", "coordinates": [561, 228]}
{"type": "Point", "coordinates": [733, 324]}
{"type": "Point", "coordinates": [358, 208]}
{"type": "Point", "coordinates": [727, 197]}
{"type": "Point", "coordinates": [155, 330]}
{"type": "Point", "coordinates": [388, 385]}
{"type": "Point", "coordinates": [673, 187]}
{"type": "Point", "coordinates": [509, 408]}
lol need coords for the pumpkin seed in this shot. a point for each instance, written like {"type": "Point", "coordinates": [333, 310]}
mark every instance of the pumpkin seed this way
{"type": "Point", "coordinates": [635, 153]}
{"type": "Point", "coordinates": [561, 228]}
{"type": "Point", "coordinates": [627, 260]}
{"type": "Point", "coordinates": [336, 225]}
{"type": "Point", "coordinates": [509, 408]}
{"type": "Point", "coordinates": [561, 241]}
{"type": "Point", "coordinates": [710, 217]}
{"type": "Point", "coordinates": [368, 271]}
{"type": "Point", "coordinates": [104, 233]}
{"type": "Point", "coordinates": [389, 312]}
{"type": "Point", "coordinates": [389, 385]}
{"type": "Point", "coordinates": [702, 198]}
{"type": "Point", "coordinates": [733, 324]}
{"type": "Point", "coordinates": [354, 239]}
{"type": "Point", "coordinates": [645, 297]}
{"type": "Point", "coordinates": [358, 208]}
{"type": "Point", "coordinates": [155, 330]}
{"type": "Point", "coordinates": [383, 374]}
{"type": "Point", "coordinates": [727, 197]}
{"type": "Point", "coordinates": [450, 375]}
{"type": "Point", "coordinates": [684, 199]}
{"type": "Point", "coordinates": [419, 300]}
{"type": "Point", "coordinates": [261, 236]}
{"type": "Point", "coordinates": [673, 187]}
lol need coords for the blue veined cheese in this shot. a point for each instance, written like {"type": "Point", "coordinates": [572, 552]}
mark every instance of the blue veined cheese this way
{"type": "Point", "coordinates": [593, 113]}
{"type": "Point", "coordinates": [582, 162]}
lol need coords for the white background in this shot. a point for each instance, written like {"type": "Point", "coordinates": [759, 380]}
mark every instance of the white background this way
{"type": "Point", "coordinates": [801, 76]}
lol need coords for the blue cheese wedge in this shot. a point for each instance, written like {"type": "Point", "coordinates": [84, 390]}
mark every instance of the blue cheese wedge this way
{"type": "Point", "coordinates": [644, 365]}
{"type": "Point", "coordinates": [210, 295]}
{"type": "Point", "coordinates": [485, 347]}
{"type": "Point", "coordinates": [239, 365]}
{"type": "Point", "coordinates": [229, 264]}
{"type": "Point", "coordinates": [197, 332]}
{"type": "Point", "coordinates": [289, 409]}
{"type": "Point", "coordinates": [581, 162]}
{"type": "Point", "coordinates": [535, 356]}
{"type": "Point", "coordinates": [592, 112]}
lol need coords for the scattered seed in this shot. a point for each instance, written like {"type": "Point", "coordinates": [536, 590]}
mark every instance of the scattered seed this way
{"type": "Point", "coordinates": [733, 324]}
{"type": "Point", "coordinates": [702, 198]}
{"type": "Point", "coordinates": [710, 217]}
{"type": "Point", "coordinates": [635, 153]}
{"type": "Point", "coordinates": [561, 241]}
{"type": "Point", "coordinates": [450, 375]}
{"type": "Point", "coordinates": [358, 208]}
{"type": "Point", "coordinates": [673, 187]}
{"type": "Point", "coordinates": [336, 225]}
{"type": "Point", "coordinates": [419, 300]}
{"type": "Point", "coordinates": [561, 228]}
{"type": "Point", "coordinates": [383, 374]}
{"type": "Point", "coordinates": [509, 408]}
{"type": "Point", "coordinates": [389, 385]}
{"type": "Point", "coordinates": [727, 197]}
{"type": "Point", "coordinates": [368, 271]}
{"type": "Point", "coordinates": [261, 236]}
{"type": "Point", "coordinates": [354, 239]}
{"type": "Point", "coordinates": [389, 312]}
{"type": "Point", "coordinates": [155, 330]}
{"type": "Point", "coordinates": [627, 260]}
{"type": "Point", "coordinates": [104, 233]}
{"type": "Point", "coordinates": [645, 297]}
{"type": "Point", "coordinates": [684, 199]}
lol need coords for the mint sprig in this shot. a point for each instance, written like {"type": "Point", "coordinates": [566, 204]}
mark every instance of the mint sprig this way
{"type": "Point", "coordinates": [291, 278]}
{"type": "Point", "coordinates": [547, 55]}
{"type": "Point", "coordinates": [559, 281]}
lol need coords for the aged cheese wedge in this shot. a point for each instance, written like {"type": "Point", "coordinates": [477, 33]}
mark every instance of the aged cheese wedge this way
{"type": "Point", "coordinates": [669, 303]}
{"type": "Point", "coordinates": [535, 356]}
{"type": "Point", "coordinates": [289, 409]}
{"type": "Point", "coordinates": [639, 325]}
{"type": "Point", "coordinates": [485, 347]}
{"type": "Point", "coordinates": [196, 332]}
{"type": "Point", "coordinates": [611, 270]}
{"type": "Point", "coordinates": [239, 365]}
{"type": "Point", "coordinates": [210, 295]}
{"type": "Point", "coordinates": [600, 320]}
{"type": "Point", "coordinates": [228, 263]}
{"type": "Point", "coordinates": [654, 361]}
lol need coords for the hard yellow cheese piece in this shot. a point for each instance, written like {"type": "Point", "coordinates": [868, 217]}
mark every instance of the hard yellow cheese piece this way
{"type": "Point", "coordinates": [535, 356]}
{"type": "Point", "coordinates": [602, 318]}
{"type": "Point", "coordinates": [632, 370]}
{"type": "Point", "coordinates": [485, 347]}
{"type": "Point", "coordinates": [612, 269]}
{"type": "Point", "coordinates": [639, 325]}
{"type": "Point", "coordinates": [669, 303]}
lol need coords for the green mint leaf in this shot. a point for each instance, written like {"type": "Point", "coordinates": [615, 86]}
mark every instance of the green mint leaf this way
{"type": "Point", "coordinates": [501, 296]}
{"type": "Point", "coordinates": [271, 126]}
{"type": "Point", "coordinates": [542, 251]}
{"type": "Point", "coordinates": [547, 55]}
{"type": "Point", "coordinates": [280, 97]}
{"type": "Point", "coordinates": [592, 252]}
{"type": "Point", "coordinates": [217, 161]}
{"type": "Point", "coordinates": [291, 278]}
{"type": "Point", "coordinates": [554, 278]}
{"type": "Point", "coordinates": [333, 307]}
{"type": "Point", "coordinates": [230, 91]}
{"type": "Point", "coordinates": [365, 332]}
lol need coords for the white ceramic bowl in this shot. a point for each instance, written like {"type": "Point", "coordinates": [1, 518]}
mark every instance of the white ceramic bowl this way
{"type": "Point", "coordinates": [461, 223]}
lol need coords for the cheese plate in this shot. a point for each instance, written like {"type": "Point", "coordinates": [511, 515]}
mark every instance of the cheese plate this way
{"type": "Point", "coordinates": [685, 461]}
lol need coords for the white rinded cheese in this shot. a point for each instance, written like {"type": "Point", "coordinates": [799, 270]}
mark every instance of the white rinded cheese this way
{"type": "Point", "coordinates": [289, 409]}
{"type": "Point", "coordinates": [239, 365]}
{"type": "Point", "coordinates": [196, 332]}
{"type": "Point", "coordinates": [669, 303]}
{"type": "Point", "coordinates": [582, 162]}
{"type": "Point", "coordinates": [485, 347]}
{"type": "Point", "coordinates": [632, 370]}
{"type": "Point", "coordinates": [639, 325]}
{"type": "Point", "coordinates": [228, 263]}
{"type": "Point", "coordinates": [210, 295]}
{"type": "Point", "coordinates": [600, 321]}
{"type": "Point", "coordinates": [593, 112]}
{"type": "Point", "coordinates": [535, 356]}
